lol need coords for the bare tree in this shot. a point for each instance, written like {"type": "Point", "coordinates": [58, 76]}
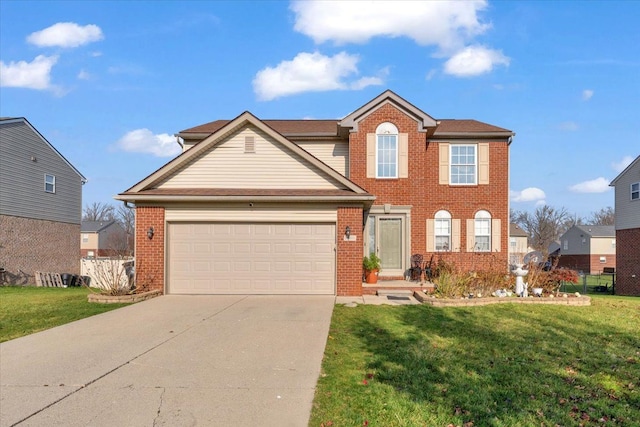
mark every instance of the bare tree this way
{"type": "Point", "coordinates": [544, 225]}
{"type": "Point", "coordinates": [98, 211]}
{"type": "Point", "coordinates": [605, 216]}
{"type": "Point", "coordinates": [127, 219]}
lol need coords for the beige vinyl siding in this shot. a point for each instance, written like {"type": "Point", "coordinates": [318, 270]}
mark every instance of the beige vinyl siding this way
{"type": "Point", "coordinates": [483, 163]}
{"type": "Point", "coordinates": [92, 241]}
{"type": "Point", "coordinates": [334, 154]}
{"type": "Point", "coordinates": [603, 245]}
{"type": "Point", "coordinates": [261, 213]}
{"type": "Point", "coordinates": [443, 163]}
{"type": "Point", "coordinates": [627, 210]}
{"type": "Point", "coordinates": [226, 165]}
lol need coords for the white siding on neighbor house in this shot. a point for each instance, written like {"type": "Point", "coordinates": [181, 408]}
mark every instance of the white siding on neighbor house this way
{"type": "Point", "coordinates": [333, 153]}
{"type": "Point", "coordinates": [627, 210]}
{"type": "Point", "coordinates": [24, 160]}
{"type": "Point", "coordinates": [259, 213]}
{"type": "Point", "coordinates": [227, 165]}
{"type": "Point", "coordinates": [603, 245]}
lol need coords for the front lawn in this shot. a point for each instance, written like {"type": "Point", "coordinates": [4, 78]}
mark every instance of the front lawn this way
{"type": "Point", "coordinates": [496, 365]}
{"type": "Point", "coordinates": [25, 310]}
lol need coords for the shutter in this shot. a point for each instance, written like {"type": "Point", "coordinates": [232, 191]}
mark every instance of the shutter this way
{"type": "Point", "coordinates": [496, 242]}
{"type": "Point", "coordinates": [431, 246]}
{"type": "Point", "coordinates": [471, 235]}
{"type": "Point", "coordinates": [443, 163]}
{"type": "Point", "coordinates": [403, 155]}
{"type": "Point", "coordinates": [483, 163]}
{"type": "Point", "coordinates": [455, 235]}
{"type": "Point", "coordinates": [371, 155]}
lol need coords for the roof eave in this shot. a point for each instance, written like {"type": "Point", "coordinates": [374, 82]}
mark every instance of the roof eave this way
{"type": "Point", "coordinates": [242, 198]}
{"type": "Point", "coordinates": [473, 135]}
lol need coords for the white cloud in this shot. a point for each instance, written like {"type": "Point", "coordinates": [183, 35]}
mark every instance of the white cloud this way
{"type": "Point", "coordinates": [447, 24]}
{"type": "Point", "coordinates": [529, 194]}
{"type": "Point", "coordinates": [311, 72]}
{"type": "Point", "coordinates": [587, 94]}
{"type": "Point", "coordinates": [66, 34]}
{"type": "Point", "coordinates": [568, 126]}
{"type": "Point", "coordinates": [83, 75]}
{"type": "Point", "coordinates": [474, 60]}
{"type": "Point", "coordinates": [31, 75]}
{"type": "Point", "coordinates": [622, 164]}
{"type": "Point", "coordinates": [598, 185]}
{"type": "Point", "coordinates": [144, 141]}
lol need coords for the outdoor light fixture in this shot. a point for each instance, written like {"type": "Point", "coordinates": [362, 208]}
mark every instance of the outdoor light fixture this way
{"type": "Point", "coordinates": [347, 232]}
{"type": "Point", "coordinates": [150, 233]}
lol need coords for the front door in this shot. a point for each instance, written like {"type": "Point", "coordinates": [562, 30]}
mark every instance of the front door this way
{"type": "Point", "coordinates": [386, 241]}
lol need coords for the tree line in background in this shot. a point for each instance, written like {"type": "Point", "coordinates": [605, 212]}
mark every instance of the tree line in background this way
{"type": "Point", "coordinates": [124, 216]}
{"type": "Point", "coordinates": [546, 224]}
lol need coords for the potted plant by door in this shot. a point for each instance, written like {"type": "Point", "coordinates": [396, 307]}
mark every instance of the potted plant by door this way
{"type": "Point", "coordinates": [371, 267]}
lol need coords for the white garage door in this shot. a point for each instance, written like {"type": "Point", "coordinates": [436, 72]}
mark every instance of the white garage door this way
{"type": "Point", "coordinates": [251, 258]}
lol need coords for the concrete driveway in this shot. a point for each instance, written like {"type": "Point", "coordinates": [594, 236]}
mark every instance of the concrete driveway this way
{"type": "Point", "coordinates": [171, 361]}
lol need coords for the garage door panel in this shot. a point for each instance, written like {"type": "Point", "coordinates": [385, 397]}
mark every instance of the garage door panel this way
{"type": "Point", "coordinates": [245, 258]}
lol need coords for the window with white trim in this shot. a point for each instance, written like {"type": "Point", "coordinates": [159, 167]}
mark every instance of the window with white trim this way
{"type": "Point", "coordinates": [566, 245]}
{"type": "Point", "coordinates": [442, 231]}
{"type": "Point", "coordinates": [635, 191]}
{"type": "Point", "coordinates": [463, 163]}
{"type": "Point", "coordinates": [85, 238]}
{"type": "Point", "coordinates": [386, 151]}
{"type": "Point", "coordinates": [49, 183]}
{"type": "Point", "coordinates": [482, 222]}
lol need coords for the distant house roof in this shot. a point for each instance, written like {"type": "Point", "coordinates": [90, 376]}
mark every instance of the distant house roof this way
{"type": "Point", "coordinates": [95, 226]}
{"type": "Point", "coordinates": [598, 230]}
{"type": "Point", "coordinates": [516, 231]}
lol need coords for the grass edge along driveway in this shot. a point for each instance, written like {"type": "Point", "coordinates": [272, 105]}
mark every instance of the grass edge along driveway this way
{"type": "Point", "coordinates": [497, 365]}
{"type": "Point", "coordinates": [25, 310]}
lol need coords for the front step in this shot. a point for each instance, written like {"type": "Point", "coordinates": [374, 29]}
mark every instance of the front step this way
{"type": "Point", "coordinates": [399, 292]}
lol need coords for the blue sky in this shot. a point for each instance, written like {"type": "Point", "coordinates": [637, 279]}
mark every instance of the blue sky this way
{"type": "Point", "coordinates": [110, 83]}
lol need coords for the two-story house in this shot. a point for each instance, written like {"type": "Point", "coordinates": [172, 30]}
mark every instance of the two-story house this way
{"type": "Point", "coordinates": [588, 248]}
{"type": "Point", "coordinates": [627, 212]}
{"type": "Point", "coordinates": [292, 206]}
{"type": "Point", "coordinates": [40, 205]}
{"type": "Point", "coordinates": [103, 239]}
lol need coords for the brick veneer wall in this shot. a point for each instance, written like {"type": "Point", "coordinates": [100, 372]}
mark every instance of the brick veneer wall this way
{"type": "Point", "coordinates": [588, 263]}
{"type": "Point", "coordinates": [29, 245]}
{"type": "Point", "coordinates": [349, 253]}
{"type": "Point", "coordinates": [150, 252]}
{"type": "Point", "coordinates": [628, 262]}
{"type": "Point", "coordinates": [423, 191]}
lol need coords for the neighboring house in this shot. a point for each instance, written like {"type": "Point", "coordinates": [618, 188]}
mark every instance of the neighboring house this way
{"type": "Point", "coordinates": [102, 239]}
{"type": "Point", "coordinates": [518, 244]}
{"type": "Point", "coordinates": [40, 205]}
{"type": "Point", "coordinates": [588, 248]}
{"type": "Point", "coordinates": [627, 212]}
{"type": "Point", "coordinates": [292, 206]}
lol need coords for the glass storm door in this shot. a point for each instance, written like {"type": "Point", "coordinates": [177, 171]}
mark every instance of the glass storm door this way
{"type": "Point", "coordinates": [385, 239]}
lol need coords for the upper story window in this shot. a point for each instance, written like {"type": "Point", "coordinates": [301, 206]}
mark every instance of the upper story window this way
{"type": "Point", "coordinates": [482, 231]}
{"type": "Point", "coordinates": [635, 191]}
{"type": "Point", "coordinates": [463, 164]}
{"type": "Point", "coordinates": [386, 151]}
{"type": "Point", "coordinates": [566, 245]}
{"type": "Point", "coordinates": [49, 183]}
{"type": "Point", "coordinates": [442, 231]}
{"type": "Point", "coordinates": [85, 238]}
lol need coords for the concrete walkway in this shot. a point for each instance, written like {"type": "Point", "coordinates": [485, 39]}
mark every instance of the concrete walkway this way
{"type": "Point", "coordinates": [171, 361]}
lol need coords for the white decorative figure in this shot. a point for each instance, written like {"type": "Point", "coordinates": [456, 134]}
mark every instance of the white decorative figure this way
{"type": "Point", "coordinates": [521, 286]}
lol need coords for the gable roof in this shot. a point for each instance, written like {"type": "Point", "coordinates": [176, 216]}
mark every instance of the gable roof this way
{"type": "Point", "coordinates": [597, 230]}
{"type": "Point", "coordinates": [145, 189]}
{"type": "Point", "coordinates": [10, 120]}
{"type": "Point", "coordinates": [627, 169]}
{"type": "Point", "coordinates": [516, 231]}
{"type": "Point", "coordinates": [95, 226]}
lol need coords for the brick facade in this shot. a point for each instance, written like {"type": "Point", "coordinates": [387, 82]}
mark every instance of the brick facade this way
{"type": "Point", "coordinates": [587, 263]}
{"type": "Point", "coordinates": [628, 268]}
{"type": "Point", "coordinates": [150, 252]}
{"type": "Point", "coordinates": [424, 193]}
{"type": "Point", "coordinates": [29, 245]}
{"type": "Point", "coordinates": [349, 252]}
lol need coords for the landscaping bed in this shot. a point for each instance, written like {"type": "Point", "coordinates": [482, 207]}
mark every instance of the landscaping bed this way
{"type": "Point", "coordinates": [562, 299]}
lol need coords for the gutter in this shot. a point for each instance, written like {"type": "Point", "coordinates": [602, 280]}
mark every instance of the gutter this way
{"type": "Point", "coordinates": [245, 198]}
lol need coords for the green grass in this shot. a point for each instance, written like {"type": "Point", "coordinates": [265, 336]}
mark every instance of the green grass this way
{"type": "Point", "coordinates": [497, 365]}
{"type": "Point", "coordinates": [25, 310]}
